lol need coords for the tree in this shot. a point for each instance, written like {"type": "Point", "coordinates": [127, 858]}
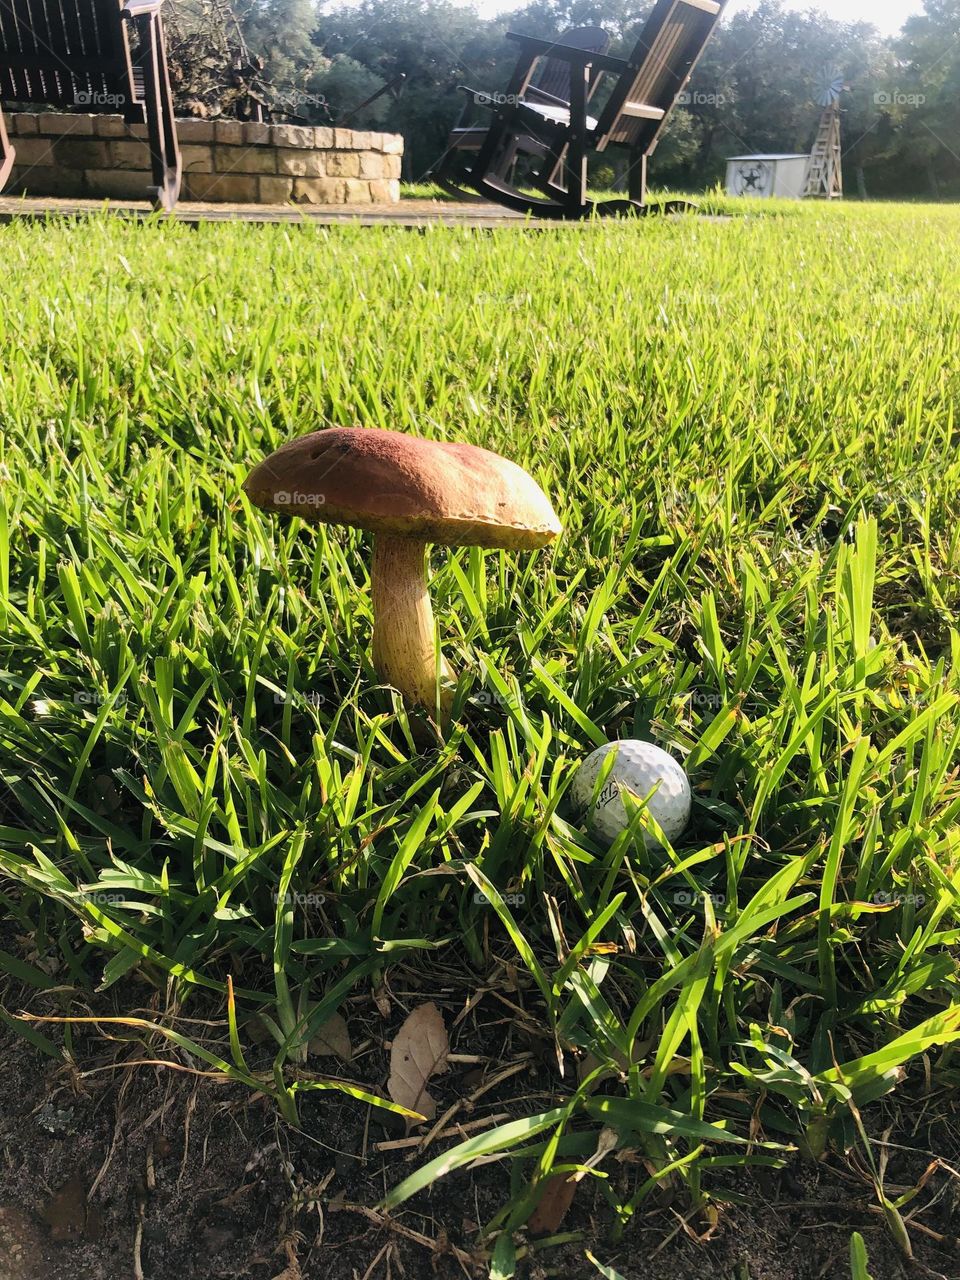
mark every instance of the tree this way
{"type": "Point", "coordinates": [437, 45]}
{"type": "Point", "coordinates": [343, 85]}
{"type": "Point", "coordinates": [756, 89]}
{"type": "Point", "coordinates": [281, 32]}
{"type": "Point", "coordinates": [922, 99]}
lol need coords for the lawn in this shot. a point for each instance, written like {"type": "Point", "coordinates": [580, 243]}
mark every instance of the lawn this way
{"type": "Point", "coordinates": [748, 430]}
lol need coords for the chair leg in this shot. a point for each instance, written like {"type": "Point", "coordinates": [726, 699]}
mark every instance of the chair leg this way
{"type": "Point", "coordinates": [7, 153]}
{"type": "Point", "coordinates": [161, 129]}
{"type": "Point", "coordinates": [576, 161]}
{"type": "Point", "coordinates": [637, 178]}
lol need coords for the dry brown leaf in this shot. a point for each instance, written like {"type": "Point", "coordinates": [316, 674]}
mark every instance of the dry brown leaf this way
{"type": "Point", "coordinates": [419, 1051]}
{"type": "Point", "coordinates": [558, 1193]}
{"type": "Point", "coordinates": [332, 1039]}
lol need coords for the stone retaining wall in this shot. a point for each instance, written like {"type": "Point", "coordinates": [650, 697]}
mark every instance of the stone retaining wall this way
{"type": "Point", "coordinates": [223, 161]}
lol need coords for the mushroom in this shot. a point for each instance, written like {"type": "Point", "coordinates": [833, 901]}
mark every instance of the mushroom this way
{"type": "Point", "coordinates": [408, 492]}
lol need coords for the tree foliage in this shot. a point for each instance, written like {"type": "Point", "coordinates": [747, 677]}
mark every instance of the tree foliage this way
{"type": "Point", "coordinates": [756, 87]}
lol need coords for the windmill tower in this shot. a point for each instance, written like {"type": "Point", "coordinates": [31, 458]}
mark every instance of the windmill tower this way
{"type": "Point", "coordinates": [824, 175]}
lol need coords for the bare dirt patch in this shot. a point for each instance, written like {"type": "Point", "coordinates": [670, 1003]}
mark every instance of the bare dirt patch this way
{"type": "Point", "coordinates": [111, 1170]}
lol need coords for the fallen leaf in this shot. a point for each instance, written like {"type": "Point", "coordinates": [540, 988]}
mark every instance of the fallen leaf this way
{"type": "Point", "coordinates": [332, 1039]}
{"type": "Point", "coordinates": [558, 1193]}
{"type": "Point", "coordinates": [419, 1051]}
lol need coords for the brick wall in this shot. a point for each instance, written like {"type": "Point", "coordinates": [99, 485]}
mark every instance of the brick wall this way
{"type": "Point", "coordinates": [225, 160]}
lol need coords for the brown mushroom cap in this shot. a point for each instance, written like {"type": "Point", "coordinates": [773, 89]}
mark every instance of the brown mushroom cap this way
{"type": "Point", "coordinates": [389, 482]}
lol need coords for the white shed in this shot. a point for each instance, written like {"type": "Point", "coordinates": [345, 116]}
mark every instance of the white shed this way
{"type": "Point", "coordinates": [767, 175]}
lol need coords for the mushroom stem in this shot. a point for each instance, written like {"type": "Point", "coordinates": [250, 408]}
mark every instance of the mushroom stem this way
{"type": "Point", "coordinates": [404, 645]}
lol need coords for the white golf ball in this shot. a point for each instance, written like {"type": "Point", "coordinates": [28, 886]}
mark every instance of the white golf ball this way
{"type": "Point", "coordinates": [639, 768]}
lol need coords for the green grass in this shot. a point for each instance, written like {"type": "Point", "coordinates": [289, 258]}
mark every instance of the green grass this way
{"type": "Point", "coordinates": [748, 430]}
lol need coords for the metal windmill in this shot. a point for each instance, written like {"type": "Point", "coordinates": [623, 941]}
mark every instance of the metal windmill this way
{"type": "Point", "coordinates": [824, 176]}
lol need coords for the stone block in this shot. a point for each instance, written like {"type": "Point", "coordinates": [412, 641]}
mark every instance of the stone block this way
{"type": "Point", "coordinates": [33, 181]}
{"type": "Point", "coordinates": [392, 143]}
{"type": "Point", "coordinates": [229, 188]}
{"type": "Point", "coordinates": [117, 184]}
{"type": "Point", "coordinates": [23, 124]}
{"type": "Point", "coordinates": [124, 153]}
{"type": "Point", "coordinates": [357, 191]}
{"type": "Point", "coordinates": [34, 152]}
{"type": "Point", "coordinates": [84, 153]}
{"type": "Point", "coordinates": [228, 131]}
{"type": "Point", "coordinates": [246, 160]}
{"type": "Point", "coordinates": [323, 138]}
{"type": "Point", "coordinates": [62, 124]}
{"type": "Point", "coordinates": [117, 127]}
{"type": "Point", "coordinates": [195, 156]}
{"type": "Point", "coordinates": [195, 130]}
{"type": "Point", "coordinates": [83, 126]}
{"type": "Point", "coordinates": [293, 135]}
{"type": "Point", "coordinates": [385, 191]}
{"type": "Point", "coordinates": [320, 190]}
{"type": "Point", "coordinates": [52, 124]}
{"type": "Point", "coordinates": [302, 164]}
{"type": "Point", "coordinates": [392, 166]}
{"type": "Point", "coordinates": [275, 190]}
{"type": "Point", "coordinates": [372, 164]}
{"type": "Point", "coordinates": [342, 164]}
{"type": "Point", "coordinates": [256, 134]}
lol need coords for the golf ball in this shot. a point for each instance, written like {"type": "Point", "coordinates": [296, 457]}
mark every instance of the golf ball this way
{"type": "Point", "coordinates": [639, 768]}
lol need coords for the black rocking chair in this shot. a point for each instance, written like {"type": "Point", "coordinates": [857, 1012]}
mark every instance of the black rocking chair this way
{"type": "Point", "coordinates": [549, 84]}
{"type": "Point", "coordinates": [69, 53]}
{"type": "Point", "coordinates": [646, 86]}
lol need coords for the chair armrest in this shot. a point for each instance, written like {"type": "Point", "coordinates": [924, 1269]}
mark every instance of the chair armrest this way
{"type": "Point", "coordinates": [534, 93]}
{"type": "Point", "coordinates": [567, 53]}
{"type": "Point", "coordinates": [485, 98]}
{"type": "Point", "coordinates": [140, 8]}
{"type": "Point", "coordinates": [481, 97]}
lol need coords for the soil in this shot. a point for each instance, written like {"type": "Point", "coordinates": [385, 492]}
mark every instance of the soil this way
{"type": "Point", "coordinates": [114, 1166]}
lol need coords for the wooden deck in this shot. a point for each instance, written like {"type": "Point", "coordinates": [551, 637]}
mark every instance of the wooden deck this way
{"type": "Point", "coordinates": [412, 214]}
{"type": "Point", "coordinates": [408, 213]}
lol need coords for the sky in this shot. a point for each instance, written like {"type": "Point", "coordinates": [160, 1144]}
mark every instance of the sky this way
{"type": "Point", "coordinates": [888, 15]}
